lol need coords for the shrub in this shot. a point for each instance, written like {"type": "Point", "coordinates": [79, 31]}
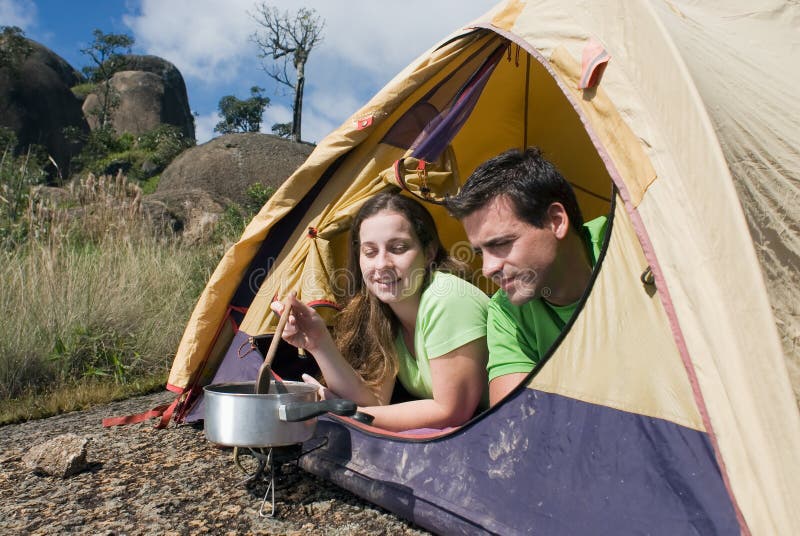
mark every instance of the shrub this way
{"type": "Point", "coordinates": [257, 196]}
{"type": "Point", "coordinates": [139, 157]}
{"type": "Point", "coordinates": [83, 90]}
{"type": "Point", "coordinates": [19, 202]}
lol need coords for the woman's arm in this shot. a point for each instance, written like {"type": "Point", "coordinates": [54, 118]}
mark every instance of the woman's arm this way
{"type": "Point", "coordinates": [306, 329]}
{"type": "Point", "coordinates": [459, 381]}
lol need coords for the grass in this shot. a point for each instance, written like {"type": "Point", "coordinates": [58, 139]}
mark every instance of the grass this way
{"type": "Point", "coordinates": [94, 300]}
{"type": "Point", "coordinates": [75, 396]}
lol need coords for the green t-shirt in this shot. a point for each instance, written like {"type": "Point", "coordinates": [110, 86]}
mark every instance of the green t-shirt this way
{"type": "Point", "coordinates": [452, 312]}
{"type": "Point", "coordinates": [519, 335]}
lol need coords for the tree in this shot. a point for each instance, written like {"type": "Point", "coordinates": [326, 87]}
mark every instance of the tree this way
{"type": "Point", "coordinates": [14, 48]}
{"type": "Point", "coordinates": [242, 115]}
{"type": "Point", "coordinates": [284, 130]}
{"type": "Point", "coordinates": [107, 54]}
{"type": "Point", "coordinates": [283, 38]}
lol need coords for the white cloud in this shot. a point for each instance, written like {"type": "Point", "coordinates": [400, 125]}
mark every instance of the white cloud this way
{"type": "Point", "coordinates": [316, 127]}
{"type": "Point", "coordinates": [204, 126]}
{"type": "Point", "coordinates": [365, 43]}
{"type": "Point", "coordinates": [275, 113]}
{"type": "Point", "coordinates": [383, 37]}
{"type": "Point", "coordinates": [207, 40]}
{"type": "Point", "coordinates": [20, 13]}
{"type": "Point", "coordinates": [210, 40]}
{"type": "Point", "coordinates": [325, 108]}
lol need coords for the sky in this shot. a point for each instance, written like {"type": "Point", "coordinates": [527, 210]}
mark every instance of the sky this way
{"type": "Point", "coordinates": [365, 43]}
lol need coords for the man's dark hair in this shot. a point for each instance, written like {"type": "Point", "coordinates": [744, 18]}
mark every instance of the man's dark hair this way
{"type": "Point", "coordinates": [529, 181]}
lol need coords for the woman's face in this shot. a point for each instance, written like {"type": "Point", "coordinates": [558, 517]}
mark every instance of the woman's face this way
{"type": "Point", "coordinates": [391, 257]}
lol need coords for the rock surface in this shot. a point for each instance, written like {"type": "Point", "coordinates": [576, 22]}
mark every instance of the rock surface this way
{"type": "Point", "coordinates": [37, 103]}
{"type": "Point", "coordinates": [62, 456]}
{"type": "Point", "coordinates": [151, 92]}
{"type": "Point", "coordinates": [227, 165]}
{"type": "Point", "coordinates": [146, 481]}
{"type": "Point", "coordinates": [193, 213]}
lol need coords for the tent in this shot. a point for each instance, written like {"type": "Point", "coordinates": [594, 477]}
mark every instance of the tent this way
{"type": "Point", "coordinates": [666, 405]}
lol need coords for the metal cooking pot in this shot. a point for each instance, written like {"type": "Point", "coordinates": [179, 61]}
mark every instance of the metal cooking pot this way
{"type": "Point", "coordinates": [238, 417]}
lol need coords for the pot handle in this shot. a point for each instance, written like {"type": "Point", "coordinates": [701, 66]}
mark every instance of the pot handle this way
{"type": "Point", "coordinates": [302, 411]}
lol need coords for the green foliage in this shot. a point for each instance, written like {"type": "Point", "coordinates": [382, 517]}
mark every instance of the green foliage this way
{"type": "Point", "coordinates": [230, 224]}
{"type": "Point", "coordinates": [83, 90]}
{"type": "Point", "coordinates": [8, 139]}
{"type": "Point", "coordinates": [14, 48]}
{"type": "Point", "coordinates": [150, 185]}
{"type": "Point", "coordinates": [163, 144]}
{"type": "Point", "coordinates": [98, 144]}
{"type": "Point", "coordinates": [94, 351]}
{"type": "Point", "coordinates": [139, 157]}
{"type": "Point", "coordinates": [107, 55]}
{"type": "Point", "coordinates": [242, 115]}
{"type": "Point", "coordinates": [18, 177]}
{"type": "Point", "coordinates": [284, 130]}
{"type": "Point", "coordinates": [233, 221]}
{"type": "Point", "coordinates": [257, 196]}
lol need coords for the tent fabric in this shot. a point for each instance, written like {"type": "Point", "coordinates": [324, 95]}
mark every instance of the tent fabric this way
{"type": "Point", "coordinates": [543, 464]}
{"type": "Point", "coordinates": [687, 143]}
{"type": "Point", "coordinates": [748, 87]}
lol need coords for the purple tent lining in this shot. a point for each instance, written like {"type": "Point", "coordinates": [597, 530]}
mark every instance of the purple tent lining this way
{"type": "Point", "coordinates": [442, 129]}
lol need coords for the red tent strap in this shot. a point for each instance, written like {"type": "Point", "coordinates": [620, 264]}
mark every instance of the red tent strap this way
{"type": "Point", "coordinates": [164, 411]}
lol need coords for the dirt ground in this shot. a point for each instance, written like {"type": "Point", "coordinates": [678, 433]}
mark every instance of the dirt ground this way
{"type": "Point", "coordinates": [146, 481]}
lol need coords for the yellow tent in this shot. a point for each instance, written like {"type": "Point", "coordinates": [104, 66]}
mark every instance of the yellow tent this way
{"type": "Point", "coordinates": [691, 121]}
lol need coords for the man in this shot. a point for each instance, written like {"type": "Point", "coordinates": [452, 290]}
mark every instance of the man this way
{"type": "Point", "coordinates": [521, 215]}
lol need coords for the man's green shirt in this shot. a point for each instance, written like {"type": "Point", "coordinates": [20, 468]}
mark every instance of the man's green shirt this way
{"type": "Point", "coordinates": [518, 336]}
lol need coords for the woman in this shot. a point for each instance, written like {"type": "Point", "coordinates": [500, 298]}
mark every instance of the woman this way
{"type": "Point", "coordinates": [407, 319]}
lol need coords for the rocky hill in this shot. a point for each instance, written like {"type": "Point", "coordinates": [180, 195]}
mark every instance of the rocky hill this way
{"type": "Point", "coordinates": [225, 166]}
{"type": "Point", "coordinates": [36, 103]}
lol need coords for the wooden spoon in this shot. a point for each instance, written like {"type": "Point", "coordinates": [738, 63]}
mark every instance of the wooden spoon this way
{"type": "Point", "coordinates": [265, 372]}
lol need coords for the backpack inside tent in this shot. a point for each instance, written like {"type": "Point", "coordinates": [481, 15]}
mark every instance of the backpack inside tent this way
{"type": "Point", "coordinates": [666, 405]}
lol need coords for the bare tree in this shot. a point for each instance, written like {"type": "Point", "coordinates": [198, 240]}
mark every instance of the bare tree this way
{"type": "Point", "coordinates": [283, 38]}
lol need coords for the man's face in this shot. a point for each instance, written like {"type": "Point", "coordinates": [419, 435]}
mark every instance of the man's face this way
{"type": "Point", "coordinates": [517, 256]}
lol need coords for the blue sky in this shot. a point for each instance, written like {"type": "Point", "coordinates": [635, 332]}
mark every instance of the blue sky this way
{"type": "Point", "coordinates": [365, 43]}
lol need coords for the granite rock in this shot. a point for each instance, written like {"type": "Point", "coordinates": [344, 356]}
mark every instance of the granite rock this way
{"type": "Point", "coordinates": [62, 456]}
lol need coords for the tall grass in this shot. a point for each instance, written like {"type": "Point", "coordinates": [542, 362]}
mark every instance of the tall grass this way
{"type": "Point", "coordinates": [96, 295]}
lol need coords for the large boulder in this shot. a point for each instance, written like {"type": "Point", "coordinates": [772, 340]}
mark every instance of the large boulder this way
{"type": "Point", "coordinates": [226, 166]}
{"type": "Point", "coordinates": [191, 213]}
{"type": "Point", "coordinates": [36, 102]}
{"type": "Point", "coordinates": [151, 92]}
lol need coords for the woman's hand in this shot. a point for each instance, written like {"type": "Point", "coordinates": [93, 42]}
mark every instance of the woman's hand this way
{"type": "Point", "coordinates": [324, 392]}
{"type": "Point", "coordinates": [304, 328]}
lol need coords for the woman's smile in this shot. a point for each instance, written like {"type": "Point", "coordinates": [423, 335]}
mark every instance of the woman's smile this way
{"type": "Point", "coordinates": [391, 257]}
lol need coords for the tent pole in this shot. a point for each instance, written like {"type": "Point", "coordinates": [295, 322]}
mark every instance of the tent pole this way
{"type": "Point", "coordinates": [527, 98]}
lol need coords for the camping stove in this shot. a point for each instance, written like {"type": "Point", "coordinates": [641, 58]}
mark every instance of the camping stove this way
{"type": "Point", "coordinates": [270, 465]}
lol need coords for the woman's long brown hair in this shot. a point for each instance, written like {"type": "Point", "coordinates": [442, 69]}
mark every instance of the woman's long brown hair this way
{"type": "Point", "coordinates": [366, 328]}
